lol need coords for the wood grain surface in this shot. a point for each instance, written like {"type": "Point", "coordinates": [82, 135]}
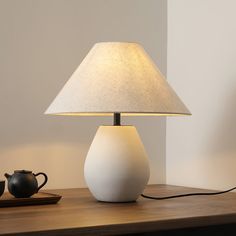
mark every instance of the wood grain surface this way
{"type": "Point", "coordinates": [78, 213]}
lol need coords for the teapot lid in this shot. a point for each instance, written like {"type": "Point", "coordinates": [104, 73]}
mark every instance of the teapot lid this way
{"type": "Point", "coordinates": [23, 171]}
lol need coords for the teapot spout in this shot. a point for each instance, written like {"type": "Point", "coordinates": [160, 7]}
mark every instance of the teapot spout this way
{"type": "Point", "coordinates": [7, 175]}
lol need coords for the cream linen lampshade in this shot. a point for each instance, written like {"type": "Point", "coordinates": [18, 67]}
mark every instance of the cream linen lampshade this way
{"type": "Point", "coordinates": [117, 78]}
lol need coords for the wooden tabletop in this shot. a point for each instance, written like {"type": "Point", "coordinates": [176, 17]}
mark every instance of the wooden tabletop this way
{"type": "Point", "coordinates": [79, 214]}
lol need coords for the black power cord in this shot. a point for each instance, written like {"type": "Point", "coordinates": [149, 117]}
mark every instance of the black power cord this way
{"type": "Point", "coordinates": [187, 194]}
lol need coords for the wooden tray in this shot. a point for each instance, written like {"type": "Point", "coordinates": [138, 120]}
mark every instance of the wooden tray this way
{"type": "Point", "coordinates": [41, 198]}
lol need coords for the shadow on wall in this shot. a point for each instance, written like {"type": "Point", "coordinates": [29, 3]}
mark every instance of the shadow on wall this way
{"type": "Point", "coordinates": [58, 147]}
{"type": "Point", "coordinates": [62, 162]}
{"type": "Point", "coordinates": [223, 138]}
{"type": "Point", "coordinates": [211, 159]}
{"type": "Point", "coordinates": [27, 128]}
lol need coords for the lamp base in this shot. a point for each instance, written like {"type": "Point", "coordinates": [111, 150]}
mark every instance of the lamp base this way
{"type": "Point", "coordinates": [116, 168]}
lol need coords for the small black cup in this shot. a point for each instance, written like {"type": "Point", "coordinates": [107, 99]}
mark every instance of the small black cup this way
{"type": "Point", "coordinates": [2, 187]}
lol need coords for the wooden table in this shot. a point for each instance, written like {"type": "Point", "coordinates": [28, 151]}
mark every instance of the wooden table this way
{"type": "Point", "coordinates": [79, 214]}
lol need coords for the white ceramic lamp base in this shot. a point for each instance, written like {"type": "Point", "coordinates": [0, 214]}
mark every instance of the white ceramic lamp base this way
{"type": "Point", "coordinates": [116, 168]}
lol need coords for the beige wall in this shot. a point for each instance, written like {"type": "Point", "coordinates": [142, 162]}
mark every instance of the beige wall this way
{"type": "Point", "coordinates": [201, 150]}
{"type": "Point", "coordinates": [41, 44]}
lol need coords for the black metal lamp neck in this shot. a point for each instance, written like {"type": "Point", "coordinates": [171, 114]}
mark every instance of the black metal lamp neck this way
{"type": "Point", "coordinates": [116, 119]}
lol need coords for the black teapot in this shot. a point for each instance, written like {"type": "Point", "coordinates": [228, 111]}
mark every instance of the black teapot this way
{"type": "Point", "coordinates": [23, 183]}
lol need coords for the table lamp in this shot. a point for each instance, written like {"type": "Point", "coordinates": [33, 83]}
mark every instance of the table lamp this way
{"type": "Point", "coordinates": [114, 79]}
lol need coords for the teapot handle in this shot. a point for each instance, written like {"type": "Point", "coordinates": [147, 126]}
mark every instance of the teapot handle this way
{"type": "Point", "coordinates": [44, 182]}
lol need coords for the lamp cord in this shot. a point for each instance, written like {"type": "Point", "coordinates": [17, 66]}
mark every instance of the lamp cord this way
{"type": "Point", "coordinates": [187, 194]}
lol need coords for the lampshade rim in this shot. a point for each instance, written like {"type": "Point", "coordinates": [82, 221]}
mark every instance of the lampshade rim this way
{"type": "Point", "coordinates": [124, 113]}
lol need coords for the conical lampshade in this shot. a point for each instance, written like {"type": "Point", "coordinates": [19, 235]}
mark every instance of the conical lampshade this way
{"type": "Point", "coordinates": [117, 77]}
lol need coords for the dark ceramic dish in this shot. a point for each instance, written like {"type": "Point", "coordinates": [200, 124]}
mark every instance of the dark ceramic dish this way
{"type": "Point", "coordinates": [2, 187]}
